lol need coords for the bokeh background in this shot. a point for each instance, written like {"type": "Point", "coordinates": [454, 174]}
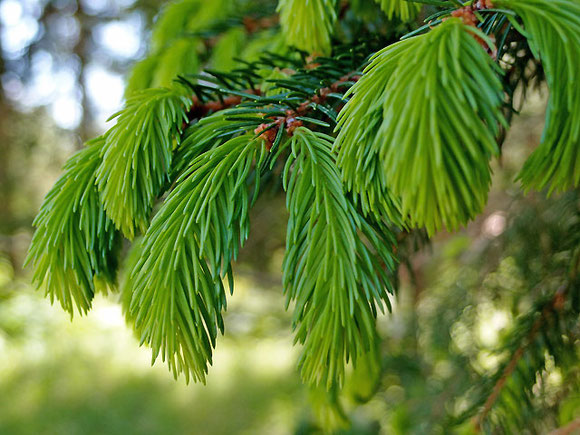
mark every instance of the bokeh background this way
{"type": "Point", "coordinates": [63, 66]}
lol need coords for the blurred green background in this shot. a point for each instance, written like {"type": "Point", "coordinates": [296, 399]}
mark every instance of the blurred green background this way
{"type": "Point", "coordinates": [62, 70]}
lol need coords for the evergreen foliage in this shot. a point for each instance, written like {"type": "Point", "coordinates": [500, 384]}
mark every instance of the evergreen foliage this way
{"type": "Point", "coordinates": [175, 45]}
{"type": "Point", "coordinates": [538, 337]}
{"type": "Point", "coordinates": [335, 280]}
{"type": "Point", "coordinates": [553, 30]}
{"type": "Point", "coordinates": [137, 156]}
{"type": "Point", "coordinates": [187, 251]}
{"type": "Point", "coordinates": [408, 146]}
{"type": "Point", "coordinates": [308, 24]}
{"type": "Point", "coordinates": [542, 337]}
{"type": "Point", "coordinates": [400, 8]}
{"type": "Point", "coordinates": [76, 244]}
{"type": "Point", "coordinates": [434, 153]}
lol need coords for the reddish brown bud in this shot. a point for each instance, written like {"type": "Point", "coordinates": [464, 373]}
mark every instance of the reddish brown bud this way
{"type": "Point", "coordinates": [268, 136]}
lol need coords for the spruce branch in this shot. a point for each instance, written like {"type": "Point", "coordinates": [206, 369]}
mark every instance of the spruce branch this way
{"type": "Point", "coordinates": [206, 134]}
{"type": "Point", "coordinates": [428, 124]}
{"type": "Point", "coordinates": [415, 136]}
{"type": "Point", "coordinates": [173, 51]}
{"type": "Point", "coordinates": [178, 294]}
{"type": "Point", "coordinates": [228, 104]}
{"type": "Point", "coordinates": [336, 280]}
{"type": "Point", "coordinates": [294, 118]}
{"type": "Point", "coordinates": [552, 28]}
{"type": "Point", "coordinates": [308, 24]}
{"type": "Point", "coordinates": [189, 34]}
{"type": "Point", "coordinates": [75, 245]}
{"type": "Point", "coordinates": [200, 109]}
{"type": "Point", "coordinates": [137, 156]}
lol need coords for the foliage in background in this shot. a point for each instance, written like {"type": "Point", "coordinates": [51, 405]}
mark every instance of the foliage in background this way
{"type": "Point", "coordinates": [414, 138]}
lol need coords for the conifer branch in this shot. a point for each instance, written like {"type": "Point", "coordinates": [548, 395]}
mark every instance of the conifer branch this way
{"type": "Point", "coordinates": [74, 248]}
{"type": "Point", "coordinates": [292, 118]}
{"type": "Point", "coordinates": [336, 280]}
{"type": "Point", "coordinates": [415, 136]}
{"type": "Point", "coordinates": [189, 33]}
{"type": "Point", "coordinates": [178, 294]}
{"type": "Point", "coordinates": [200, 109]}
{"type": "Point", "coordinates": [407, 129]}
{"type": "Point", "coordinates": [137, 156]}
{"type": "Point", "coordinates": [552, 28]}
{"type": "Point", "coordinates": [308, 24]}
{"type": "Point", "coordinates": [555, 304]}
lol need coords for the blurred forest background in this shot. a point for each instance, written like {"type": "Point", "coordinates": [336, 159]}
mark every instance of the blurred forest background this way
{"type": "Point", "coordinates": [63, 68]}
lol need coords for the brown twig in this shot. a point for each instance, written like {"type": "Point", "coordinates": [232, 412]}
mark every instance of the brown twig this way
{"type": "Point", "coordinates": [290, 120]}
{"type": "Point", "coordinates": [253, 25]}
{"type": "Point", "coordinates": [557, 303]}
{"type": "Point", "coordinates": [568, 429]}
{"type": "Point", "coordinates": [467, 15]}
{"type": "Point", "coordinates": [199, 109]}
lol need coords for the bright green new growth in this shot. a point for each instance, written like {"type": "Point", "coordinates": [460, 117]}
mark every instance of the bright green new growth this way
{"type": "Point", "coordinates": [177, 59]}
{"type": "Point", "coordinates": [405, 10]}
{"type": "Point", "coordinates": [176, 18]}
{"type": "Point", "coordinates": [308, 24]}
{"type": "Point", "coordinates": [178, 293]}
{"type": "Point", "coordinates": [358, 143]}
{"type": "Point", "coordinates": [175, 46]}
{"type": "Point", "coordinates": [137, 156]}
{"type": "Point", "coordinates": [205, 134]}
{"type": "Point", "coordinates": [553, 30]}
{"type": "Point", "coordinates": [228, 48]}
{"type": "Point", "coordinates": [335, 279]}
{"type": "Point", "coordinates": [74, 244]}
{"type": "Point", "coordinates": [413, 150]}
{"type": "Point", "coordinates": [434, 117]}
